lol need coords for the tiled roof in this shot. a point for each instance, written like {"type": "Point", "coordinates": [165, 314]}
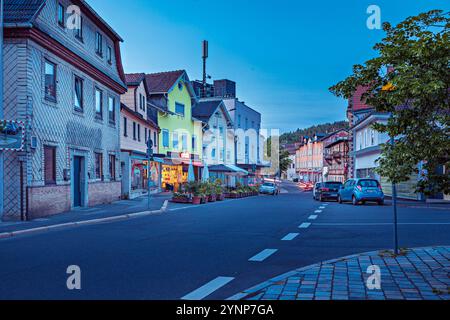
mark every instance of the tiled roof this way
{"type": "Point", "coordinates": [203, 110]}
{"type": "Point", "coordinates": [134, 79]}
{"type": "Point", "coordinates": [357, 104]}
{"type": "Point", "coordinates": [21, 11]}
{"type": "Point", "coordinates": [162, 82]}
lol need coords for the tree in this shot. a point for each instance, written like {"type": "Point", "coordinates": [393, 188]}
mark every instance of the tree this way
{"type": "Point", "coordinates": [285, 162]}
{"type": "Point", "coordinates": [409, 78]}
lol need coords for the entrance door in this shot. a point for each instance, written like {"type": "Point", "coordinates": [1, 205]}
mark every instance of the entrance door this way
{"type": "Point", "coordinates": [77, 181]}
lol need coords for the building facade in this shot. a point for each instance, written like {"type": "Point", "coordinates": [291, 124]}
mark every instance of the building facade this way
{"type": "Point", "coordinates": [171, 97]}
{"type": "Point", "coordinates": [309, 159]}
{"type": "Point", "coordinates": [336, 157]}
{"type": "Point", "coordinates": [218, 140]}
{"type": "Point", "coordinates": [136, 129]}
{"type": "Point", "coordinates": [51, 73]}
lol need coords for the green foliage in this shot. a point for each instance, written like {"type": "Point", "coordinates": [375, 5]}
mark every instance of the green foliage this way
{"type": "Point", "coordinates": [296, 136]}
{"type": "Point", "coordinates": [285, 162]}
{"type": "Point", "coordinates": [410, 79]}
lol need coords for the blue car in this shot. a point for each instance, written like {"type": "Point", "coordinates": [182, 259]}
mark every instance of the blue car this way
{"type": "Point", "coordinates": [361, 191]}
{"type": "Point", "coordinates": [269, 188]}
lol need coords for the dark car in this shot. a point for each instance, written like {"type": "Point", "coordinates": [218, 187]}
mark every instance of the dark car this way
{"type": "Point", "coordinates": [328, 191]}
{"type": "Point", "coordinates": [316, 190]}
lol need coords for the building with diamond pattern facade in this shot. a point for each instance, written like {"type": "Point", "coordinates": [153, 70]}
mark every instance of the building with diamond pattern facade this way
{"type": "Point", "coordinates": [65, 84]}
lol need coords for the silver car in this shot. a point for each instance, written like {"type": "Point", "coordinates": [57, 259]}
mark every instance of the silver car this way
{"type": "Point", "coordinates": [269, 188]}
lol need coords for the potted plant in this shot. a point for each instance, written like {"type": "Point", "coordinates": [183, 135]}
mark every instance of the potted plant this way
{"type": "Point", "coordinates": [219, 190]}
{"type": "Point", "coordinates": [194, 189]}
{"type": "Point", "coordinates": [203, 192]}
{"type": "Point", "coordinates": [179, 197]}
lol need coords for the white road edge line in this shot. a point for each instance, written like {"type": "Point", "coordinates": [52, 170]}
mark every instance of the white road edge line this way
{"type": "Point", "coordinates": [290, 236]}
{"type": "Point", "coordinates": [304, 225]}
{"type": "Point", "coordinates": [263, 255]}
{"type": "Point", "coordinates": [207, 289]}
{"type": "Point", "coordinates": [312, 217]}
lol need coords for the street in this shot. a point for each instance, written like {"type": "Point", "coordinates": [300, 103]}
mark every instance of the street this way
{"type": "Point", "coordinates": [171, 256]}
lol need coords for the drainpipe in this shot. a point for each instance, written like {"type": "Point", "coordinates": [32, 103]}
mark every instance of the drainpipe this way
{"type": "Point", "coordinates": [1, 109]}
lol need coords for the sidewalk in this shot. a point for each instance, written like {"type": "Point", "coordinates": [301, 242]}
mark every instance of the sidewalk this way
{"type": "Point", "coordinates": [417, 274]}
{"type": "Point", "coordinates": [114, 209]}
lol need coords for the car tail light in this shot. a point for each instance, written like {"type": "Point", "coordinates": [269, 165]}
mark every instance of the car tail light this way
{"type": "Point", "coordinates": [359, 188]}
{"type": "Point", "coordinates": [379, 187]}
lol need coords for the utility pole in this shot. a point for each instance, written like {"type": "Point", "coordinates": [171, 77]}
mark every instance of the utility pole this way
{"type": "Point", "coordinates": [1, 107]}
{"type": "Point", "coordinates": [394, 204]}
{"type": "Point", "coordinates": [149, 181]}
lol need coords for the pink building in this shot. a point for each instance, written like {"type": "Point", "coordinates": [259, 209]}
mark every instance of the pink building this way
{"type": "Point", "coordinates": [136, 129]}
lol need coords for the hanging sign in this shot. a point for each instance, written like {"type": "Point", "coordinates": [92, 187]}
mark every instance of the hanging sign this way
{"type": "Point", "coordinates": [12, 135]}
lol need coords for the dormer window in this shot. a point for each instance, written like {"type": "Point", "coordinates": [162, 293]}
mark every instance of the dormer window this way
{"type": "Point", "coordinates": [180, 85]}
{"type": "Point", "coordinates": [61, 15]}
{"type": "Point", "coordinates": [99, 44]}
{"type": "Point", "coordinates": [109, 55]}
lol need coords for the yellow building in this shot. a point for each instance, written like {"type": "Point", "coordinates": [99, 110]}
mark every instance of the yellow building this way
{"type": "Point", "coordinates": [171, 97]}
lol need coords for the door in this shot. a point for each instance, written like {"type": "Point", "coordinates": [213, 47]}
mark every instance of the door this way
{"type": "Point", "coordinates": [77, 181]}
{"type": "Point", "coordinates": [346, 193]}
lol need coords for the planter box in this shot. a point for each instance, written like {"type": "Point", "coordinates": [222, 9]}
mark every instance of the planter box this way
{"type": "Point", "coordinates": [204, 200]}
{"type": "Point", "coordinates": [212, 198]}
{"type": "Point", "coordinates": [180, 200]}
{"type": "Point", "coordinates": [220, 197]}
{"type": "Point", "coordinates": [196, 200]}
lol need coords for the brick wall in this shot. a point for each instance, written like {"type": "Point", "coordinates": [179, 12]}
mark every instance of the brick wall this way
{"type": "Point", "coordinates": [104, 192]}
{"type": "Point", "coordinates": [49, 200]}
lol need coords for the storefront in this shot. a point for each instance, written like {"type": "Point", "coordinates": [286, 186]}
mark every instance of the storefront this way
{"type": "Point", "coordinates": [175, 170]}
{"type": "Point", "coordinates": [136, 174]}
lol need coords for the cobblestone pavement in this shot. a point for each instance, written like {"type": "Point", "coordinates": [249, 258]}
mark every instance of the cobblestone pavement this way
{"type": "Point", "coordinates": [415, 274]}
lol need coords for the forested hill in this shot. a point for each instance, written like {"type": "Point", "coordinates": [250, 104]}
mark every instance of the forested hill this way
{"type": "Point", "coordinates": [295, 136]}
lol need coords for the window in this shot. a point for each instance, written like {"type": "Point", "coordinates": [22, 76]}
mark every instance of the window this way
{"type": "Point", "coordinates": [49, 165]}
{"type": "Point", "coordinates": [213, 153]}
{"type": "Point", "coordinates": [98, 103]}
{"type": "Point", "coordinates": [184, 141]}
{"type": "Point", "coordinates": [239, 121]}
{"type": "Point", "coordinates": [165, 138]}
{"type": "Point", "coordinates": [228, 155]}
{"type": "Point", "coordinates": [155, 141]}
{"type": "Point", "coordinates": [253, 124]}
{"type": "Point", "coordinates": [111, 111]}
{"type": "Point", "coordinates": [50, 80]}
{"type": "Point", "coordinates": [372, 137]}
{"type": "Point", "coordinates": [246, 123]}
{"type": "Point", "coordinates": [112, 167]}
{"type": "Point", "coordinates": [78, 94]}
{"type": "Point", "coordinates": [134, 130]}
{"type": "Point", "coordinates": [125, 128]}
{"type": "Point", "coordinates": [179, 109]}
{"type": "Point", "coordinates": [139, 132]}
{"type": "Point", "coordinates": [98, 165]}
{"type": "Point", "coordinates": [194, 143]}
{"type": "Point", "coordinates": [61, 18]}
{"type": "Point", "coordinates": [79, 31]}
{"type": "Point", "coordinates": [175, 140]}
{"type": "Point", "coordinates": [145, 140]}
{"type": "Point", "coordinates": [109, 55]}
{"type": "Point", "coordinates": [99, 44]}
{"type": "Point", "coordinates": [221, 154]}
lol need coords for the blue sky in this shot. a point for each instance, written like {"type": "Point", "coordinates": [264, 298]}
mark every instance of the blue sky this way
{"type": "Point", "coordinates": [283, 54]}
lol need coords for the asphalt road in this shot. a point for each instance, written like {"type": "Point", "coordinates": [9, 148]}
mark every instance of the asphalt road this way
{"type": "Point", "coordinates": [174, 254]}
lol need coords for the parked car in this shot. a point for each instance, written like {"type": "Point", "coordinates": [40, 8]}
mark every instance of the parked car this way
{"type": "Point", "coordinates": [315, 190]}
{"type": "Point", "coordinates": [328, 190]}
{"type": "Point", "coordinates": [361, 191]}
{"type": "Point", "coordinates": [269, 188]}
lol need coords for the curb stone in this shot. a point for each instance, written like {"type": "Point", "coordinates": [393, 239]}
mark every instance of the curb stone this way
{"type": "Point", "coordinates": [7, 235]}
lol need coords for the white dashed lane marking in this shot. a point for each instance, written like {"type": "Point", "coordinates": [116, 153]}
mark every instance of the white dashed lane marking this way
{"type": "Point", "coordinates": [318, 211]}
{"type": "Point", "coordinates": [304, 225]}
{"type": "Point", "coordinates": [207, 289]}
{"type": "Point", "coordinates": [263, 255]}
{"type": "Point", "coordinates": [312, 217]}
{"type": "Point", "coordinates": [290, 236]}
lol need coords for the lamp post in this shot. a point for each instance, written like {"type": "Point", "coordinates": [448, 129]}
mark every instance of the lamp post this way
{"type": "Point", "coordinates": [394, 204]}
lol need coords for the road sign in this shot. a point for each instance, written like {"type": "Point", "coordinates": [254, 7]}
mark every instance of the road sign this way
{"type": "Point", "coordinates": [12, 135]}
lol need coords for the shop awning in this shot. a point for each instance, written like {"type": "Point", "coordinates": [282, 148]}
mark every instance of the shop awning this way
{"type": "Point", "coordinates": [170, 162]}
{"type": "Point", "coordinates": [228, 169]}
